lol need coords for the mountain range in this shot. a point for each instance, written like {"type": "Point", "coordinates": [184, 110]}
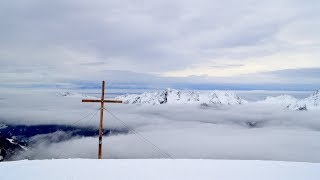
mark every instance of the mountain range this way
{"type": "Point", "coordinates": [172, 96]}
{"type": "Point", "coordinates": [217, 97]}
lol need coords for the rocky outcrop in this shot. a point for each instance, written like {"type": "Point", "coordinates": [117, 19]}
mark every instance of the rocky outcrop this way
{"type": "Point", "coordinates": [8, 147]}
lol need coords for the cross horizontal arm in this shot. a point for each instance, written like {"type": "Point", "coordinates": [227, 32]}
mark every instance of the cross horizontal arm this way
{"type": "Point", "coordinates": [98, 100]}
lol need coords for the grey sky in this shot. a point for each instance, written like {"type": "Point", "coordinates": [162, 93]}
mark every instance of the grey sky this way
{"type": "Point", "coordinates": [43, 42]}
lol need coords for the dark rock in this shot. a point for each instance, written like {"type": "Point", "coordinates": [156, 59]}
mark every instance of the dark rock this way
{"type": "Point", "coordinates": [303, 108]}
{"type": "Point", "coordinates": [8, 148]}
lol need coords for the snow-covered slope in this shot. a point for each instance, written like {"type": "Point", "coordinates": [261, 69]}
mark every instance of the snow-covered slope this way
{"type": "Point", "coordinates": [84, 169]}
{"type": "Point", "coordinates": [172, 96]}
{"type": "Point", "coordinates": [283, 100]}
{"type": "Point", "coordinates": [311, 102]}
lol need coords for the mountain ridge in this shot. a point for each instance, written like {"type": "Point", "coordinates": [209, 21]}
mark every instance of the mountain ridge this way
{"type": "Point", "coordinates": [173, 96]}
{"type": "Point", "coordinates": [310, 103]}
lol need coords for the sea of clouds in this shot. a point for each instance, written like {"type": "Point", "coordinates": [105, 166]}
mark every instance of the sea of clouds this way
{"type": "Point", "coordinates": [255, 130]}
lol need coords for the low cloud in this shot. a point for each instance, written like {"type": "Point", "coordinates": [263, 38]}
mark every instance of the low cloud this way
{"type": "Point", "coordinates": [250, 131]}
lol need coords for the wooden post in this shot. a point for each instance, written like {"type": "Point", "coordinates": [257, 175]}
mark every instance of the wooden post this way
{"type": "Point", "coordinates": [102, 101]}
{"type": "Point", "coordinates": [101, 121]}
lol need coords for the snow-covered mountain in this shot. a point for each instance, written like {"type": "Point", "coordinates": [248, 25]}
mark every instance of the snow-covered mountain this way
{"type": "Point", "coordinates": [311, 102]}
{"type": "Point", "coordinates": [283, 100]}
{"type": "Point", "coordinates": [172, 96]}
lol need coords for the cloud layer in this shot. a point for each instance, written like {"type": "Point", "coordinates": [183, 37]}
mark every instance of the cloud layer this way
{"type": "Point", "coordinates": [251, 131]}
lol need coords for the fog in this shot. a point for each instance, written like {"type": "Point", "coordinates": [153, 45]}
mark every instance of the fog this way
{"type": "Point", "coordinates": [251, 131]}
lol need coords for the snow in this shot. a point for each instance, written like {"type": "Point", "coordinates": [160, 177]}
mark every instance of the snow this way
{"type": "Point", "coordinates": [162, 169]}
{"type": "Point", "coordinates": [282, 100]}
{"type": "Point", "coordinates": [218, 97]}
{"type": "Point", "coordinates": [13, 142]}
{"type": "Point", "coordinates": [3, 126]}
{"type": "Point", "coordinates": [172, 96]}
{"type": "Point", "coordinates": [310, 103]}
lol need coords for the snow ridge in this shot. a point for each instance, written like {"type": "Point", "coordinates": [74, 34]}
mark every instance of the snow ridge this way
{"type": "Point", "coordinates": [172, 96]}
{"type": "Point", "coordinates": [283, 100]}
{"type": "Point", "coordinates": [311, 102]}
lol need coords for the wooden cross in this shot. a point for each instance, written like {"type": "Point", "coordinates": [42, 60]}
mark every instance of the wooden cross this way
{"type": "Point", "coordinates": [102, 101]}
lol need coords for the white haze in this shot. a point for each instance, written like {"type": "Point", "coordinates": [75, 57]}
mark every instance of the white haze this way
{"type": "Point", "coordinates": [250, 131]}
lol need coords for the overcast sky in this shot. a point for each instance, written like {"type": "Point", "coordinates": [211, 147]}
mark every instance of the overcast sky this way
{"type": "Point", "coordinates": [240, 44]}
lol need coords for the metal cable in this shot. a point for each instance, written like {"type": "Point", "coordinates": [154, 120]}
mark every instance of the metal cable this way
{"type": "Point", "coordinates": [72, 124]}
{"type": "Point", "coordinates": [155, 147]}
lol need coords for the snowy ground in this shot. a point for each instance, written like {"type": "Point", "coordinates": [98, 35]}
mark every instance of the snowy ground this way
{"type": "Point", "coordinates": [81, 169]}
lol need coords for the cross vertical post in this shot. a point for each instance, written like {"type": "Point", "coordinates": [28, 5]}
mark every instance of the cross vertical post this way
{"type": "Point", "coordinates": [102, 101]}
{"type": "Point", "coordinates": [101, 121]}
